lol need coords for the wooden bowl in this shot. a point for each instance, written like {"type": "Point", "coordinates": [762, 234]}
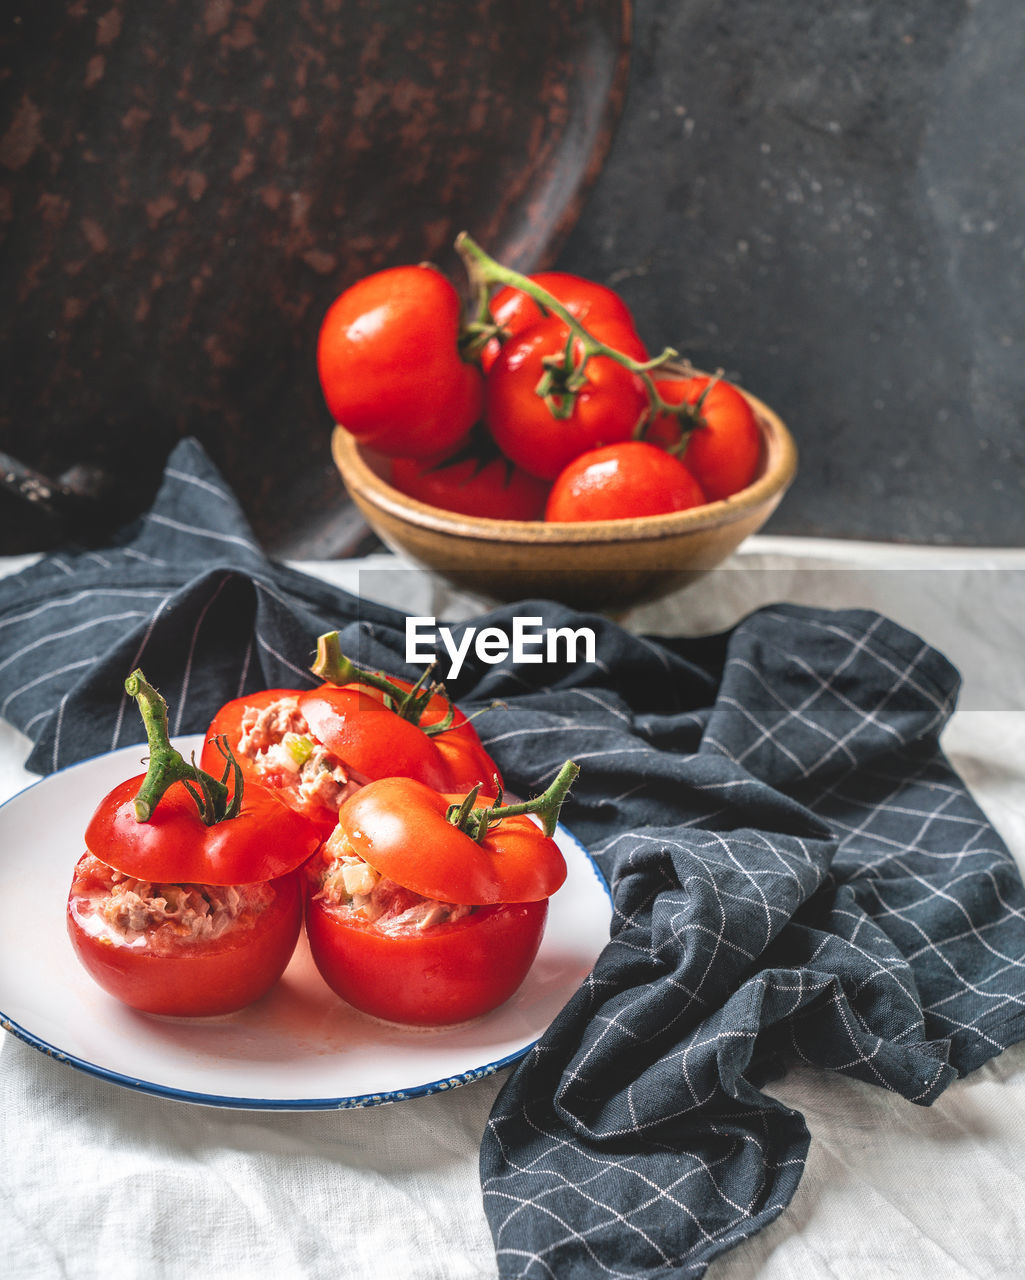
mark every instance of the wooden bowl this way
{"type": "Point", "coordinates": [603, 565]}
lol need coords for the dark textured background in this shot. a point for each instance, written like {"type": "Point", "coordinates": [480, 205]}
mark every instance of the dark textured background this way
{"type": "Point", "coordinates": [829, 203]}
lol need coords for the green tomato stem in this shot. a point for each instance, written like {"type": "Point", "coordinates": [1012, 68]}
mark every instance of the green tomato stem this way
{"type": "Point", "coordinates": [410, 704]}
{"type": "Point", "coordinates": [568, 373]}
{"type": "Point", "coordinates": [477, 822]}
{"type": "Point", "coordinates": [690, 416]}
{"type": "Point", "coordinates": [167, 765]}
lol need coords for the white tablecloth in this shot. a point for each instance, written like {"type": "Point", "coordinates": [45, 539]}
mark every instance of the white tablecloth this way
{"type": "Point", "coordinates": [100, 1181]}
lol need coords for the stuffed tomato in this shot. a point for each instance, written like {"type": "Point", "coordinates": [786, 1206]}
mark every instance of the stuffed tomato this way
{"type": "Point", "coordinates": [316, 747]}
{"type": "Point", "coordinates": [189, 899]}
{"type": "Point", "coordinates": [428, 909]}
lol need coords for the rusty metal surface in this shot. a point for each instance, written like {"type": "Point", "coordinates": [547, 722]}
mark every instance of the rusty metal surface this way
{"type": "Point", "coordinates": [185, 187]}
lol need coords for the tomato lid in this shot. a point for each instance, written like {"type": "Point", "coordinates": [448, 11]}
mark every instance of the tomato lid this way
{"type": "Point", "coordinates": [353, 722]}
{"type": "Point", "coordinates": [265, 840]}
{"type": "Point", "coordinates": [369, 738]}
{"type": "Point", "coordinates": [399, 827]}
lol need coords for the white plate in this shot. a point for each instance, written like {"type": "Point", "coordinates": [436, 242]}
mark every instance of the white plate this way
{"type": "Point", "coordinates": [300, 1047]}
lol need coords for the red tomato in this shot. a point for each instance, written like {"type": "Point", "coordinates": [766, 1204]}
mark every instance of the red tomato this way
{"type": "Point", "coordinates": [188, 900]}
{"type": "Point", "coordinates": [429, 977]}
{"type": "Point", "coordinates": [585, 299]}
{"type": "Point", "coordinates": [464, 760]}
{"type": "Point", "coordinates": [166, 969]}
{"type": "Point", "coordinates": [606, 409]}
{"type": "Point", "coordinates": [724, 450]}
{"type": "Point", "coordinates": [493, 488]}
{"type": "Point", "coordinates": [363, 739]}
{"type": "Point", "coordinates": [390, 367]}
{"type": "Point", "coordinates": [398, 826]}
{"type": "Point", "coordinates": [621, 481]}
{"type": "Point", "coordinates": [375, 742]}
{"type": "Point", "coordinates": [264, 770]}
{"type": "Point", "coordinates": [436, 927]}
{"type": "Point", "coordinates": [265, 840]}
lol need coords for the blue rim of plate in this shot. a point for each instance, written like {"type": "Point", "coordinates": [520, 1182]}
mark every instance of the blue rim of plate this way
{"type": "Point", "coordinates": [351, 1103]}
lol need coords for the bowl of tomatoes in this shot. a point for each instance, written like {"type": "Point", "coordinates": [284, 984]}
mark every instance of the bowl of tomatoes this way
{"type": "Point", "coordinates": [532, 447]}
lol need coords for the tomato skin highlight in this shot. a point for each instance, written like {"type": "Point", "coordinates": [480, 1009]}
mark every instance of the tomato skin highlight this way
{"type": "Point", "coordinates": [605, 410]}
{"type": "Point", "coordinates": [622, 481]}
{"type": "Point", "coordinates": [389, 364]}
{"type": "Point", "coordinates": [724, 452]}
{"type": "Point", "coordinates": [446, 974]}
{"type": "Point", "coordinates": [204, 978]}
{"type": "Point", "coordinates": [585, 299]}
{"type": "Point", "coordinates": [496, 490]}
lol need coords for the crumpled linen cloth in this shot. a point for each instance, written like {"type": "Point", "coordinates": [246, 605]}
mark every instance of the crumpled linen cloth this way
{"type": "Point", "coordinates": [797, 872]}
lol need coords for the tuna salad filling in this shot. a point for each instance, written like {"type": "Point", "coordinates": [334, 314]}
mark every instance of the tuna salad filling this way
{"type": "Point", "coordinates": [163, 916]}
{"type": "Point", "coordinates": [277, 740]}
{"type": "Point", "coordinates": [348, 881]}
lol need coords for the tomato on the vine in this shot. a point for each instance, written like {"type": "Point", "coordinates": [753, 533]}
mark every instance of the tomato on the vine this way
{"type": "Point", "coordinates": [585, 299]}
{"type": "Point", "coordinates": [724, 448]}
{"type": "Point", "coordinates": [620, 481]}
{"type": "Point", "coordinates": [429, 908]}
{"type": "Point", "coordinates": [474, 481]}
{"type": "Point", "coordinates": [188, 900]}
{"type": "Point", "coordinates": [606, 408]}
{"type": "Point", "coordinates": [390, 367]}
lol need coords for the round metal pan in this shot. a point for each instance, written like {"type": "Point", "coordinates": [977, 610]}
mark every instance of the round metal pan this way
{"type": "Point", "coordinates": [184, 188]}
